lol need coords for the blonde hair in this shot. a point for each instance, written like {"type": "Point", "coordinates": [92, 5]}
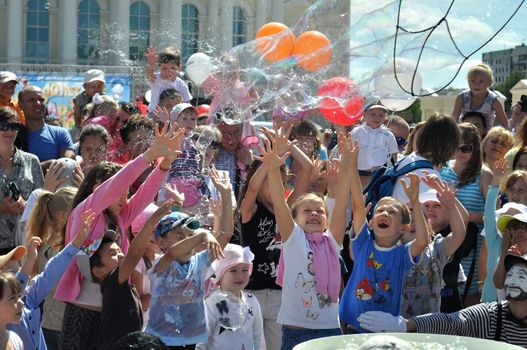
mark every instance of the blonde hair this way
{"type": "Point", "coordinates": [514, 177]}
{"type": "Point", "coordinates": [43, 220]}
{"type": "Point", "coordinates": [481, 69]}
{"type": "Point", "coordinates": [496, 132]}
{"type": "Point", "coordinates": [307, 197]}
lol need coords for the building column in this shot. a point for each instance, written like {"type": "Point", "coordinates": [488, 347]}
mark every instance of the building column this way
{"type": "Point", "coordinates": [120, 30]}
{"type": "Point", "coordinates": [226, 12]}
{"type": "Point", "coordinates": [213, 24]}
{"type": "Point", "coordinates": [169, 24]}
{"type": "Point", "coordinates": [68, 32]}
{"type": "Point", "coordinates": [277, 14]}
{"type": "Point", "coordinates": [251, 30]}
{"type": "Point", "coordinates": [15, 9]}
{"type": "Point", "coordinates": [261, 14]}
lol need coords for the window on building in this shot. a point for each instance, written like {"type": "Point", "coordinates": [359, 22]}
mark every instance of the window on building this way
{"type": "Point", "coordinates": [37, 32]}
{"type": "Point", "coordinates": [239, 26]}
{"type": "Point", "coordinates": [139, 30]}
{"type": "Point", "coordinates": [88, 32]}
{"type": "Point", "coordinates": [189, 31]}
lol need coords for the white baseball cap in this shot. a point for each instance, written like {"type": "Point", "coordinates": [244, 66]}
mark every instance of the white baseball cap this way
{"type": "Point", "coordinates": [6, 76]}
{"type": "Point", "coordinates": [94, 75]}
{"type": "Point", "coordinates": [178, 109]}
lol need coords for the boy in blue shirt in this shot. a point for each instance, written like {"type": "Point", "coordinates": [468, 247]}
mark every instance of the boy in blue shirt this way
{"type": "Point", "coordinates": [380, 265]}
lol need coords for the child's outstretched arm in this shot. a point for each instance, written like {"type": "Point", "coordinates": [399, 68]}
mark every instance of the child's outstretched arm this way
{"type": "Point", "coordinates": [139, 243]}
{"type": "Point", "coordinates": [185, 247]}
{"type": "Point", "coordinates": [151, 59]}
{"type": "Point", "coordinates": [421, 231]}
{"type": "Point", "coordinates": [223, 184]}
{"type": "Point", "coordinates": [447, 197]}
{"type": "Point", "coordinates": [339, 216]}
{"type": "Point", "coordinates": [500, 114]}
{"type": "Point", "coordinates": [272, 161]}
{"type": "Point", "coordinates": [357, 199]}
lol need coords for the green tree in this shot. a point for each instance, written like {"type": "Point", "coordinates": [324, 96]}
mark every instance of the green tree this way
{"type": "Point", "coordinates": [413, 113]}
{"type": "Point", "coordinates": [507, 85]}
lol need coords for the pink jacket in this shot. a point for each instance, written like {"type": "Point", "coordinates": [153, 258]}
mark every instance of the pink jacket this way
{"type": "Point", "coordinates": [69, 286]}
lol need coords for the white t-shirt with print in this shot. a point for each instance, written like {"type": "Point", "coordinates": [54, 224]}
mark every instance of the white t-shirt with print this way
{"type": "Point", "coordinates": [301, 305]}
{"type": "Point", "coordinates": [249, 337]}
{"type": "Point", "coordinates": [376, 146]}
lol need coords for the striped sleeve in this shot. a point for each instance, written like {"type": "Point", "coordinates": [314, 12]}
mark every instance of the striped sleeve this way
{"type": "Point", "coordinates": [478, 321]}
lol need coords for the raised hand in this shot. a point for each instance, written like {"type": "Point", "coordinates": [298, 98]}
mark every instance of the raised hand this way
{"type": "Point", "coordinates": [177, 197]}
{"type": "Point", "coordinates": [33, 246]}
{"type": "Point", "coordinates": [331, 176]}
{"type": "Point", "coordinates": [162, 114]}
{"type": "Point", "coordinates": [87, 219]}
{"type": "Point", "coordinates": [447, 195]}
{"type": "Point", "coordinates": [349, 150]}
{"type": "Point", "coordinates": [319, 169]}
{"type": "Point", "coordinates": [500, 169]}
{"type": "Point", "coordinates": [167, 143]}
{"type": "Point", "coordinates": [221, 180]}
{"type": "Point", "coordinates": [53, 179]}
{"type": "Point", "coordinates": [78, 176]}
{"type": "Point", "coordinates": [151, 55]}
{"type": "Point", "coordinates": [281, 137]}
{"type": "Point", "coordinates": [433, 181]}
{"type": "Point", "coordinates": [412, 189]}
{"type": "Point", "coordinates": [270, 157]}
{"type": "Point", "coordinates": [213, 247]}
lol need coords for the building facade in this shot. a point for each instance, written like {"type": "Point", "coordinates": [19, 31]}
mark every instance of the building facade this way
{"type": "Point", "coordinates": [504, 62]}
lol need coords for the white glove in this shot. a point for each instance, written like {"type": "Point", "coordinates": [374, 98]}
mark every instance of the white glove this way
{"type": "Point", "coordinates": [378, 321]}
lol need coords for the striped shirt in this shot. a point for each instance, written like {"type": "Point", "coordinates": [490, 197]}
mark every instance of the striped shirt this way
{"type": "Point", "coordinates": [478, 321]}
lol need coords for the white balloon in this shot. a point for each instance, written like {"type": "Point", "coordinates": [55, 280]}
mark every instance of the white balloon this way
{"type": "Point", "coordinates": [199, 67]}
{"type": "Point", "coordinates": [396, 105]}
{"type": "Point", "coordinates": [392, 91]}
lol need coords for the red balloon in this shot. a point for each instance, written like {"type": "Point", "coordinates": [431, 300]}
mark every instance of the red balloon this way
{"type": "Point", "coordinates": [340, 102]}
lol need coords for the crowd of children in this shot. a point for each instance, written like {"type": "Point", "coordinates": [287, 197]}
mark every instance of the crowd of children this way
{"type": "Point", "coordinates": [173, 231]}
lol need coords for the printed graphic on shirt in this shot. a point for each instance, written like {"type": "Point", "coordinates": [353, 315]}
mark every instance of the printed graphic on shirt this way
{"type": "Point", "coordinates": [379, 290]}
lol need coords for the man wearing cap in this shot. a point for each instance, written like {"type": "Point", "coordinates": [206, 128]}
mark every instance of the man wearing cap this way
{"type": "Point", "coordinates": [47, 142]}
{"type": "Point", "coordinates": [377, 144]}
{"type": "Point", "coordinates": [94, 81]}
{"type": "Point", "coordinates": [503, 321]}
{"type": "Point", "coordinates": [8, 82]}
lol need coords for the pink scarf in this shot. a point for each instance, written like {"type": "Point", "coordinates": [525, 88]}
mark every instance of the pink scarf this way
{"type": "Point", "coordinates": [325, 262]}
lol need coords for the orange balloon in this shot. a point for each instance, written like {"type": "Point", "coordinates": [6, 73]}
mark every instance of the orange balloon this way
{"type": "Point", "coordinates": [313, 50]}
{"type": "Point", "coordinates": [274, 46]}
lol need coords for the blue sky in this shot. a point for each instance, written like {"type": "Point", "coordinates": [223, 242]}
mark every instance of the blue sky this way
{"type": "Point", "coordinates": [471, 23]}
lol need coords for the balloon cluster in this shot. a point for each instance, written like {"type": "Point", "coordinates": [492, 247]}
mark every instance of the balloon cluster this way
{"type": "Point", "coordinates": [292, 71]}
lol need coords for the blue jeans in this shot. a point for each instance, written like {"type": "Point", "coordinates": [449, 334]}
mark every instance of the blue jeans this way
{"type": "Point", "coordinates": [293, 337]}
{"type": "Point", "coordinates": [52, 338]}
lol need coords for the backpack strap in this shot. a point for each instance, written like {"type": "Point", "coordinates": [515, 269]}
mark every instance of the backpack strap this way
{"type": "Point", "coordinates": [499, 322]}
{"type": "Point", "coordinates": [418, 164]}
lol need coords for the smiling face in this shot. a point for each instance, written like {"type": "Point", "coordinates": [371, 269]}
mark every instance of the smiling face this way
{"type": "Point", "coordinates": [375, 117]}
{"type": "Point", "coordinates": [390, 219]}
{"type": "Point", "coordinates": [311, 214]}
{"type": "Point", "coordinates": [516, 282]}
{"type": "Point", "coordinates": [111, 256]}
{"type": "Point", "coordinates": [168, 71]}
{"type": "Point", "coordinates": [479, 83]}
{"type": "Point", "coordinates": [236, 278]}
{"type": "Point", "coordinates": [8, 137]}
{"type": "Point", "coordinates": [33, 103]}
{"type": "Point", "coordinates": [496, 147]}
{"type": "Point", "coordinates": [517, 193]}
{"type": "Point", "coordinates": [7, 90]}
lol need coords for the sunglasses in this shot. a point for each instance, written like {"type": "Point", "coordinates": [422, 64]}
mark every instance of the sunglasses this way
{"type": "Point", "coordinates": [10, 126]}
{"type": "Point", "coordinates": [401, 141]}
{"type": "Point", "coordinates": [466, 148]}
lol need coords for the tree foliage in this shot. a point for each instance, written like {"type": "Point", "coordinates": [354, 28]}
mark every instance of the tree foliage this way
{"type": "Point", "coordinates": [507, 85]}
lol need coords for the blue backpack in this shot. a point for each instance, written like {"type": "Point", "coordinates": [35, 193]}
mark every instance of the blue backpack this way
{"type": "Point", "coordinates": [383, 180]}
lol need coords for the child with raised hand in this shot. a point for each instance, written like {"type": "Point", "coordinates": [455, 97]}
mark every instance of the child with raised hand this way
{"type": "Point", "coordinates": [310, 251]}
{"type": "Point", "coordinates": [380, 265]}
{"type": "Point", "coordinates": [258, 230]}
{"type": "Point", "coordinates": [234, 319]}
{"type": "Point", "coordinates": [422, 285]}
{"type": "Point", "coordinates": [177, 313]}
{"type": "Point", "coordinates": [105, 191]}
{"type": "Point", "coordinates": [479, 98]}
{"type": "Point", "coordinates": [516, 190]}
{"type": "Point", "coordinates": [27, 326]}
{"type": "Point", "coordinates": [104, 262]}
{"type": "Point", "coordinates": [169, 63]}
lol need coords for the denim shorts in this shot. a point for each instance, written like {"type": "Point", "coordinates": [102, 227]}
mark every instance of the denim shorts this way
{"type": "Point", "coordinates": [293, 337]}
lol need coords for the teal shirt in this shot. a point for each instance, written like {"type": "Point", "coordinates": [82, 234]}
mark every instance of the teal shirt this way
{"type": "Point", "coordinates": [493, 243]}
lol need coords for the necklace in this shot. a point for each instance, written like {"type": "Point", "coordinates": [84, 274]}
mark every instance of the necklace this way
{"type": "Point", "coordinates": [10, 157]}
